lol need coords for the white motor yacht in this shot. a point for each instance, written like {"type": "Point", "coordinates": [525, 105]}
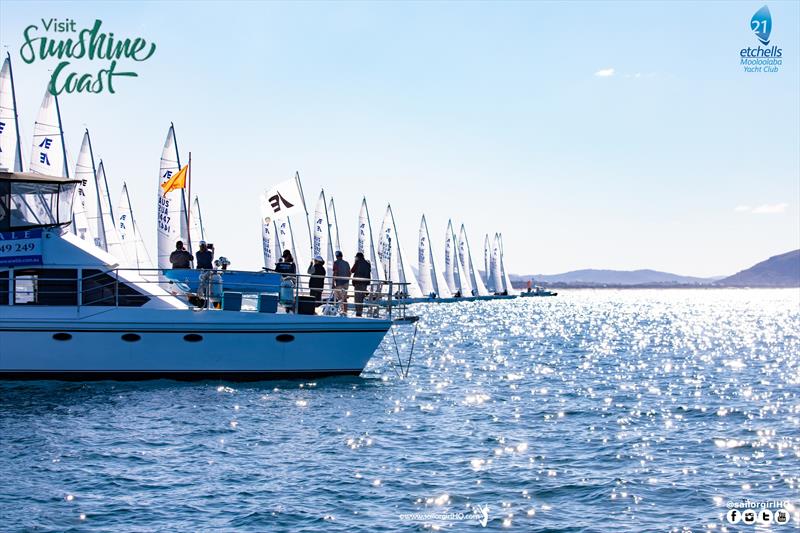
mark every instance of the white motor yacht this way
{"type": "Point", "coordinates": [68, 313]}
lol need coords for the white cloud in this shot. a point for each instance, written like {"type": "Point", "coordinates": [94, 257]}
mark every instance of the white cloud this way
{"type": "Point", "coordinates": [770, 209]}
{"type": "Point", "coordinates": [604, 73]}
{"type": "Point", "coordinates": [763, 209]}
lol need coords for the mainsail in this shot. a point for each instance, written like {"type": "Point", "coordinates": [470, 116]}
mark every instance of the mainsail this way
{"type": "Point", "coordinates": [451, 270]}
{"type": "Point", "coordinates": [10, 146]}
{"type": "Point", "coordinates": [322, 244]}
{"type": "Point", "coordinates": [269, 241]}
{"type": "Point", "coordinates": [487, 257]}
{"type": "Point", "coordinates": [86, 210]}
{"type": "Point", "coordinates": [390, 253]}
{"type": "Point", "coordinates": [495, 271]}
{"type": "Point", "coordinates": [365, 244]}
{"type": "Point", "coordinates": [129, 234]}
{"type": "Point", "coordinates": [430, 279]}
{"type": "Point", "coordinates": [49, 154]}
{"type": "Point", "coordinates": [112, 242]}
{"type": "Point", "coordinates": [468, 268]}
{"type": "Point", "coordinates": [49, 157]}
{"type": "Point", "coordinates": [198, 232]}
{"type": "Point", "coordinates": [337, 246]}
{"type": "Point", "coordinates": [172, 223]}
{"type": "Point", "coordinates": [284, 238]}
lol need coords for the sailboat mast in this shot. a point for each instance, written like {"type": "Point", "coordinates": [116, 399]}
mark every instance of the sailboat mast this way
{"type": "Point", "coordinates": [61, 133]}
{"type": "Point", "coordinates": [189, 205]}
{"type": "Point", "coordinates": [400, 264]}
{"type": "Point", "coordinates": [132, 222]}
{"type": "Point", "coordinates": [16, 114]}
{"type": "Point", "coordinates": [336, 225]}
{"type": "Point", "coordinates": [308, 224]}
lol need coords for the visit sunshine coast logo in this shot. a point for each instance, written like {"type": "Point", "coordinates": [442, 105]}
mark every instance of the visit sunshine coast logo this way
{"type": "Point", "coordinates": [64, 41]}
{"type": "Point", "coordinates": [764, 57]}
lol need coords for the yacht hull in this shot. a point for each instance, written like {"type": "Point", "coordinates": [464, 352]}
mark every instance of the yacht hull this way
{"type": "Point", "coordinates": [187, 345]}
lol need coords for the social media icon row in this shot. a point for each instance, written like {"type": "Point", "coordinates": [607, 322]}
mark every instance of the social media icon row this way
{"type": "Point", "coordinates": [762, 516]}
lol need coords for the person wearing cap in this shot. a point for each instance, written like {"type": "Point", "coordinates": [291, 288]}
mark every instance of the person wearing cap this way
{"type": "Point", "coordinates": [317, 280]}
{"type": "Point", "coordinates": [341, 281]}
{"type": "Point", "coordinates": [205, 257]}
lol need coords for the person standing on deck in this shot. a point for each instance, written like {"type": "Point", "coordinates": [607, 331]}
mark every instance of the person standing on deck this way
{"type": "Point", "coordinates": [341, 281]}
{"type": "Point", "coordinates": [317, 280]}
{"type": "Point", "coordinates": [180, 258]}
{"type": "Point", "coordinates": [205, 257]}
{"type": "Point", "coordinates": [362, 272]}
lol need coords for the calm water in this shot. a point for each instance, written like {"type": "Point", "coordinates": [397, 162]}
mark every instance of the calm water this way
{"type": "Point", "coordinates": [595, 410]}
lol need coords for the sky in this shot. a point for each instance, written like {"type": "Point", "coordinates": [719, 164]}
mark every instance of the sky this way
{"type": "Point", "coordinates": [615, 135]}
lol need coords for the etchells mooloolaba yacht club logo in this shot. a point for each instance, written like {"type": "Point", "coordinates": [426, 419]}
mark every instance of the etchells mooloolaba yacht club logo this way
{"type": "Point", "coordinates": [764, 57]}
{"type": "Point", "coordinates": [73, 47]}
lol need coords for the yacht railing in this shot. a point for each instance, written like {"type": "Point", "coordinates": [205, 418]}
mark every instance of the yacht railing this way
{"type": "Point", "coordinates": [207, 289]}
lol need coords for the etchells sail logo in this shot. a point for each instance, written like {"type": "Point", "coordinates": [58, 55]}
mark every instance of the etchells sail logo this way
{"type": "Point", "coordinates": [763, 58]}
{"type": "Point", "coordinates": [63, 40]}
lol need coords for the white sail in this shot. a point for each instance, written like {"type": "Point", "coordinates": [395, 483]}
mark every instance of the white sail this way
{"type": "Point", "coordinates": [469, 270]}
{"type": "Point", "coordinates": [49, 155]}
{"type": "Point", "coordinates": [487, 256]}
{"type": "Point", "coordinates": [425, 278]}
{"type": "Point", "coordinates": [198, 231]}
{"type": "Point", "coordinates": [465, 279]}
{"type": "Point", "coordinates": [337, 245]}
{"type": "Point", "coordinates": [365, 244]}
{"type": "Point", "coordinates": [269, 239]}
{"type": "Point", "coordinates": [113, 243]}
{"type": "Point", "coordinates": [451, 274]}
{"type": "Point", "coordinates": [129, 235]}
{"type": "Point", "coordinates": [86, 207]}
{"type": "Point", "coordinates": [285, 241]}
{"type": "Point", "coordinates": [321, 244]}
{"type": "Point", "coordinates": [392, 257]}
{"type": "Point", "coordinates": [172, 223]}
{"type": "Point", "coordinates": [496, 275]}
{"type": "Point", "coordinates": [10, 146]}
{"type": "Point", "coordinates": [506, 279]}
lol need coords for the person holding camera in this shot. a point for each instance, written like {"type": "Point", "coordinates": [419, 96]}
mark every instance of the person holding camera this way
{"type": "Point", "coordinates": [205, 256]}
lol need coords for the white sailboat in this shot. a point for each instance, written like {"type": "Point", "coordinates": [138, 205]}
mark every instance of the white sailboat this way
{"type": "Point", "coordinates": [451, 269]}
{"type": "Point", "coordinates": [86, 210]}
{"type": "Point", "coordinates": [10, 145]}
{"type": "Point", "coordinates": [172, 221]}
{"type": "Point", "coordinates": [322, 244]}
{"type": "Point", "coordinates": [269, 241]}
{"type": "Point", "coordinates": [129, 234]}
{"type": "Point", "coordinates": [431, 281]}
{"type": "Point", "coordinates": [365, 243]}
{"type": "Point", "coordinates": [392, 259]}
{"type": "Point", "coordinates": [495, 272]}
{"type": "Point", "coordinates": [113, 243]}
{"type": "Point", "coordinates": [468, 268]}
{"type": "Point", "coordinates": [198, 230]}
{"type": "Point", "coordinates": [487, 258]}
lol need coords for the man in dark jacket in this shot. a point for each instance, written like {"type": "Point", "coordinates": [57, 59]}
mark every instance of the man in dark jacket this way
{"type": "Point", "coordinates": [205, 257]}
{"type": "Point", "coordinates": [362, 272]}
{"type": "Point", "coordinates": [317, 280]}
{"type": "Point", "coordinates": [180, 258]}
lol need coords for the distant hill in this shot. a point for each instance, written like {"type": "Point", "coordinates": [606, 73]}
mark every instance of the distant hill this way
{"type": "Point", "coordinates": [614, 277]}
{"type": "Point", "coordinates": [778, 271]}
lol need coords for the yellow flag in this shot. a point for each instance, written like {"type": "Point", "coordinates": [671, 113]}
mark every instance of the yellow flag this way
{"type": "Point", "coordinates": [177, 181]}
